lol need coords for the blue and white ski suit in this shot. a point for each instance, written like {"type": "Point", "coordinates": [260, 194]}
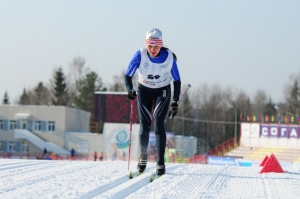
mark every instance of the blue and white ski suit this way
{"type": "Point", "coordinates": [154, 91]}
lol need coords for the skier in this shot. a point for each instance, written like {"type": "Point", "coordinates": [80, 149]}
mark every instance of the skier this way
{"type": "Point", "coordinates": [45, 151]}
{"type": "Point", "coordinates": [156, 66]}
{"type": "Point", "coordinates": [101, 156]}
{"type": "Point", "coordinates": [95, 156]}
{"type": "Point", "coordinates": [72, 153]}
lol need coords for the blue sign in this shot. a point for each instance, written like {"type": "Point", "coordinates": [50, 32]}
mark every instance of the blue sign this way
{"type": "Point", "coordinates": [279, 131]}
{"type": "Point", "coordinates": [221, 160]}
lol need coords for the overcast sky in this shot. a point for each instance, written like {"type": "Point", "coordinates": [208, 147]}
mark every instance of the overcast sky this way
{"type": "Point", "coordinates": [249, 45]}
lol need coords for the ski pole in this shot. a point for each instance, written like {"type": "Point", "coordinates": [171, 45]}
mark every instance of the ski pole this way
{"type": "Point", "coordinates": [130, 131]}
{"type": "Point", "coordinates": [188, 86]}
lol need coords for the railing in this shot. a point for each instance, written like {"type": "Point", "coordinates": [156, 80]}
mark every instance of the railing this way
{"type": "Point", "coordinates": [223, 148]}
{"type": "Point", "coordinates": [201, 159]}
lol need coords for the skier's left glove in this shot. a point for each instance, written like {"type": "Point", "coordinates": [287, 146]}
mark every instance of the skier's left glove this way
{"type": "Point", "coordinates": [131, 94]}
{"type": "Point", "coordinates": [173, 110]}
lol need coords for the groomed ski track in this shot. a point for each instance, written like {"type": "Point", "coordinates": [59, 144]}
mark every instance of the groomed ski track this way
{"type": "Point", "coordinates": [109, 179]}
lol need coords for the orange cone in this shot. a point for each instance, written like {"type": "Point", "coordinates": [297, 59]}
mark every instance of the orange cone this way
{"type": "Point", "coordinates": [264, 161]}
{"type": "Point", "coordinates": [272, 165]}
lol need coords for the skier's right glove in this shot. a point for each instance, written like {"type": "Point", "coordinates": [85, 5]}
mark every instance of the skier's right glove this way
{"type": "Point", "coordinates": [131, 94]}
{"type": "Point", "coordinates": [173, 110]}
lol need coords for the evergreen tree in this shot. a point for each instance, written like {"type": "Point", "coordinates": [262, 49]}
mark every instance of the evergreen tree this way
{"type": "Point", "coordinates": [60, 89]}
{"type": "Point", "coordinates": [86, 88]}
{"type": "Point", "coordinates": [269, 108]}
{"type": "Point", "coordinates": [41, 95]}
{"type": "Point", "coordinates": [5, 99]}
{"type": "Point", "coordinates": [24, 99]}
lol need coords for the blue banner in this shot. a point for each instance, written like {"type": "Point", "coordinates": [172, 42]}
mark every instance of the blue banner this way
{"type": "Point", "coordinates": [221, 160]}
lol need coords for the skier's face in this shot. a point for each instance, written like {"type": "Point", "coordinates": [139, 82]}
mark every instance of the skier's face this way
{"type": "Point", "coordinates": [153, 50]}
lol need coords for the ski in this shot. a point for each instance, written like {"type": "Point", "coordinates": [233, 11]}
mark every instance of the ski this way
{"type": "Point", "coordinates": [154, 176]}
{"type": "Point", "coordinates": [133, 174]}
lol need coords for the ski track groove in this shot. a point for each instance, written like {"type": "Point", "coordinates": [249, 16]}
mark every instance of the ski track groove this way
{"type": "Point", "coordinates": [209, 181]}
{"type": "Point", "coordinates": [21, 169]}
{"type": "Point", "coordinates": [17, 165]}
{"type": "Point", "coordinates": [75, 179]}
{"type": "Point", "coordinates": [37, 178]}
{"type": "Point", "coordinates": [135, 186]}
{"type": "Point", "coordinates": [121, 191]}
{"type": "Point", "coordinates": [273, 189]}
{"type": "Point", "coordinates": [212, 181]}
{"type": "Point", "coordinates": [62, 189]}
{"type": "Point", "coordinates": [107, 187]}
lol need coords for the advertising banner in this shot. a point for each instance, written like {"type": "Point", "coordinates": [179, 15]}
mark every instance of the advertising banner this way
{"type": "Point", "coordinates": [222, 160]}
{"type": "Point", "coordinates": [280, 131]}
{"type": "Point", "coordinates": [255, 130]}
{"type": "Point", "coordinates": [116, 139]}
{"type": "Point", "coordinates": [152, 152]}
{"type": "Point", "coordinates": [250, 130]}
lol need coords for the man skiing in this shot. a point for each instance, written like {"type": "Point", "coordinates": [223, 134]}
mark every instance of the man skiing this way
{"type": "Point", "coordinates": [156, 66]}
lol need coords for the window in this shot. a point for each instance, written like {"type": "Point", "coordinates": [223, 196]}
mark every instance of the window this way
{"type": "Point", "coordinates": [37, 126]}
{"type": "Point", "coordinates": [12, 125]}
{"type": "Point", "coordinates": [24, 124]}
{"type": "Point", "coordinates": [51, 126]}
{"type": "Point", "coordinates": [12, 146]}
{"type": "Point", "coordinates": [1, 124]}
{"type": "Point", "coordinates": [25, 146]}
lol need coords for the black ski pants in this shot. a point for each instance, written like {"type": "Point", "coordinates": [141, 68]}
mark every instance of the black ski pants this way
{"type": "Point", "coordinates": [158, 101]}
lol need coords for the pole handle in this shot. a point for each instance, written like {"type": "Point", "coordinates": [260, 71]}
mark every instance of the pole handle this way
{"type": "Point", "coordinates": [188, 86]}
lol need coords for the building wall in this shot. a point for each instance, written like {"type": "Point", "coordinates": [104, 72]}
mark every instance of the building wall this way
{"type": "Point", "coordinates": [8, 136]}
{"type": "Point", "coordinates": [270, 135]}
{"type": "Point", "coordinates": [77, 120]}
{"type": "Point", "coordinates": [78, 140]}
{"type": "Point", "coordinates": [65, 118]}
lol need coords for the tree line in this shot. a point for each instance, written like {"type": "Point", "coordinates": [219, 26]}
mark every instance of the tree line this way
{"type": "Point", "coordinates": [209, 113]}
{"type": "Point", "coordinates": [75, 89]}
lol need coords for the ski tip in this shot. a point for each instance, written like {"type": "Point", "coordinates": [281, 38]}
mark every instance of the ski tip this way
{"type": "Point", "coordinates": [151, 178]}
{"type": "Point", "coordinates": [130, 175]}
{"type": "Point", "coordinates": [154, 177]}
{"type": "Point", "coordinates": [133, 174]}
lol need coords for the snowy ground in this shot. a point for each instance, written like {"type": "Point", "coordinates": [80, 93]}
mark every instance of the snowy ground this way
{"type": "Point", "coordinates": [109, 179]}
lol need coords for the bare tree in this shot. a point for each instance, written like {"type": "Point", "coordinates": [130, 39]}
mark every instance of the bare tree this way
{"type": "Point", "coordinates": [77, 71]}
{"type": "Point", "coordinates": [119, 83]}
{"type": "Point", "coordinates": [292, 91]}
{"type": "Point", "coordinates": [259, 102]}
{"type": "Point", "coordinates": [242, 103]}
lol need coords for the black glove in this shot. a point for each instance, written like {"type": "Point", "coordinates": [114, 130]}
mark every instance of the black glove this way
{"type": "Point", "coordinates": [173, 110]}
{"type": "Point", "coordinates": [131, 94]}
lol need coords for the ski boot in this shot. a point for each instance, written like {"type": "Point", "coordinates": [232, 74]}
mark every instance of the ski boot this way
{"type": "Point", "coordinates": [160, 170]}
{"type": "Point", "coordinates": [140, 168]}
{"type": "Point", "coordinates": [142, 165]}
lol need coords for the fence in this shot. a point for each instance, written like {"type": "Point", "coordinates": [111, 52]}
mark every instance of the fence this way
{"type": "Point", "coordinates": [223, 148]}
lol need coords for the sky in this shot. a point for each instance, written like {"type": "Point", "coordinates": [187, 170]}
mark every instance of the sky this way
{"type": "Point", "coordinates": [109, 179]}
{"type": "Point", "coordinates": [247, 45]}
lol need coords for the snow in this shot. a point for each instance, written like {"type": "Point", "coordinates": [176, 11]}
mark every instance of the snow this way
{"type": "Point", "coordinates": [21, 178]}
